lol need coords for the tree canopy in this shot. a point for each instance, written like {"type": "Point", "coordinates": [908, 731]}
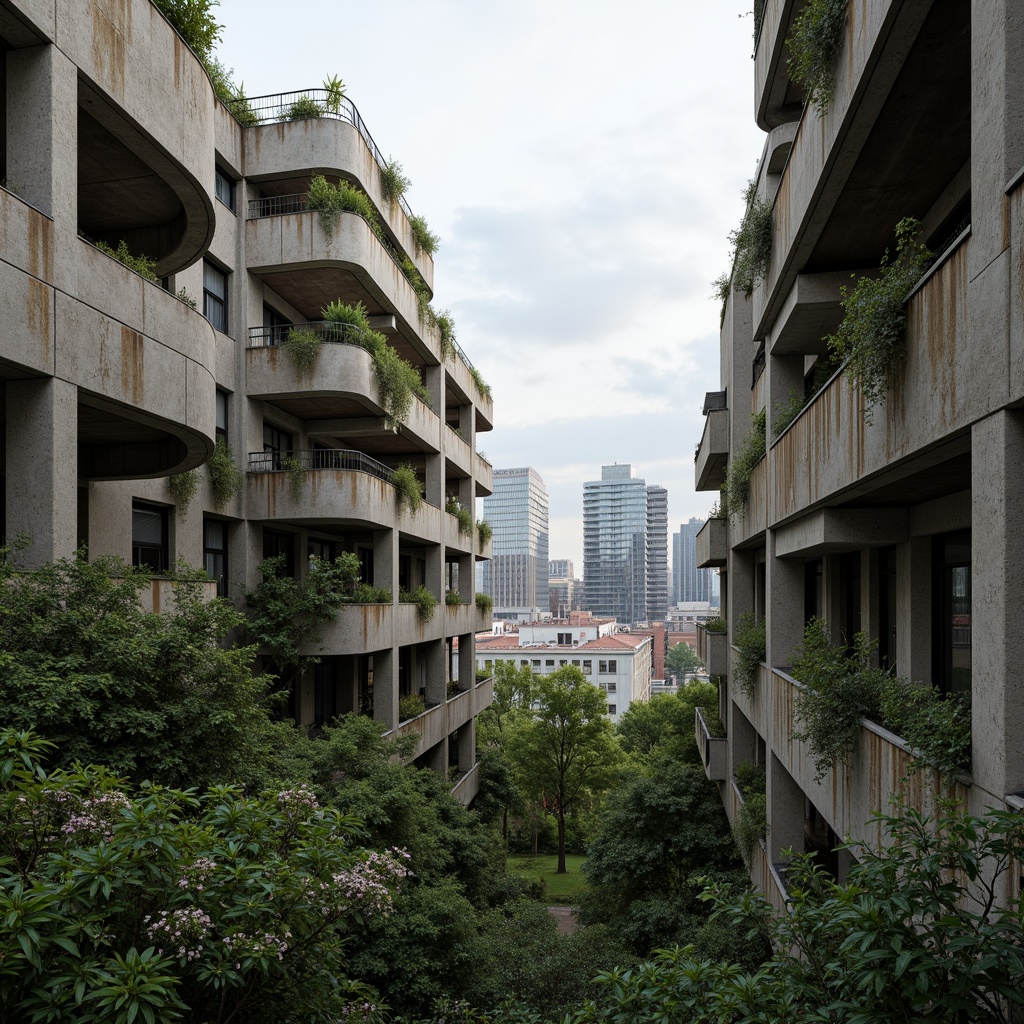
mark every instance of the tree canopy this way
{"type": "Point", "coordinates": [682, 659]}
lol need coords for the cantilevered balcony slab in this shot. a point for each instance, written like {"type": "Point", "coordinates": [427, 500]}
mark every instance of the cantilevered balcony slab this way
{"type": "Point", "coordinates": [713, 454]}
{"type": "Point", "coordinates": [713, 651]}
{"type": "Point", "coordinates": [713, 544]}
{"type": "Point", "coordinates": [714, 750]}
{"type": "Point", "coordinates": [831, 531]}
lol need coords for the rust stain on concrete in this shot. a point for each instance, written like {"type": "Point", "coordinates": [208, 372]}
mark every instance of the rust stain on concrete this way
{"type": "Point", "coordinates": [111, 28]}
{"type": "Point", "coordinates": [40, 246]}
{"type": "Point", "coordinates": [133, 377]}
{"type": "Point", "coordinates": [40, 321]}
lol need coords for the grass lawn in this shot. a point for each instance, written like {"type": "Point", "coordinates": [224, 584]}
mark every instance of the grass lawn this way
{"type": "Point", "coordinates": [560, 889]}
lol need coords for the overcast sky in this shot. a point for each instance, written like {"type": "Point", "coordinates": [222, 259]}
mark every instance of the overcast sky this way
{"type": "Point", "coordinates": [583, 164]}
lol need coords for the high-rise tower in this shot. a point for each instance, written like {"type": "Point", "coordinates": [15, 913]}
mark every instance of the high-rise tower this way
{"type": "Point", "coordinates": [689, 583]}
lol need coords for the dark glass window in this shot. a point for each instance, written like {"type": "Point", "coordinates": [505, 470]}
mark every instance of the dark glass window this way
{"type": "Point", "coordinates": [224, 188]}
{"type": "Point", "coordinates": [325, 692]}
{"type": "Point", "coordinates": [222, 414]}
{"type": "Point", "coordinates": [849, 575]}
{"type": "Point", "coordinates": [149, 537]}
{"type": "Point", "coordinates": [275, 543]}
{"type": "Point", "coordinates": [952, 611]}
{"type": "Point", "coordinates": [215, 296]}
{"type": "Point", "coordinates": [323, 549]}
{"type": "Point", "coordinates": [887, 608]}
{"type": "Point", "coordinates": [277, 443]}
{"type": "Point", "coordinates": [215, 553]}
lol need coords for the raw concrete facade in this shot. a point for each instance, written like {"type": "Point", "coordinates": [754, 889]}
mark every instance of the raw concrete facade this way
{"type": "Point", "coordinates": [906, 523]}
{"type": "Point", "coordinates": [113, 383]}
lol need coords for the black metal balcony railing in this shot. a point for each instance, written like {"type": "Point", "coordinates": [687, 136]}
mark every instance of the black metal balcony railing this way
{"type": "Point", "coordinates": [281, 106]}
{"type": "Point", "coordinates": [318, 458]}
{"type": "Point", "coordinates": [327, 330]}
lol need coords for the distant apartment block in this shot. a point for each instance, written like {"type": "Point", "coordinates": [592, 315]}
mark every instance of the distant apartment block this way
{"type": "Point", "coordinates": [689, 583]}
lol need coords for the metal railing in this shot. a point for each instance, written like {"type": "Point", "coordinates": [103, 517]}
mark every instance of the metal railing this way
{"type": "Point", "coordinates": [326, 330]}
{"type": "Point", "coordinates": [319, 458]}
{"type": "Point", "coordinates": [288, 106]}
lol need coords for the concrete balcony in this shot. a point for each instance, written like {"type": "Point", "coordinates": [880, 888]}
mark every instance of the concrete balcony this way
{"type": "Point", "coordinates": [467, 787]}
{"type": "Point", "coordinates": [483, 473]}
{"type": "Point", "coordinates": [713, 453]}
{"type": "Point", "coordinates": [438, 722]}
{"type": "Point", "coordinates": [457, 451]}
{"type": "Point", "coordinates": [365, 628]}
{"type": "Point", "coordinates": [713, 651]}
{"type": "Point", "coordinates": [751, 525]}
{"type": "Point", "coordinates": [776, 100]}
{"type": "Point", "coordinates": [465, 618]}
{"type": "Point", "coordinates": [160, 596]}
{"type": "Point", "coordinates": [713, 544]}
{"type": "Point", "coordinates": [714, 750]}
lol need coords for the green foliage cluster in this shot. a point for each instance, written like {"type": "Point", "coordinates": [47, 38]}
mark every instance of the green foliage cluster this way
{"type": "Point", "coordinates": [302, 345]}
{"type": "Point", "coordinates": [871, 337]}
{"type": "Point", "coordinates": [721, 290]}
{"type": "Point", "coordinates": [751, 243]}
{"type": "Point", "coordinates": [194, 22]}
{"type": "Point", "coordinates": [484, 603]}
{"type": "Point", "coordinates": [683, 660]}
{"type": "Point", "coordinates": [445, 325]}
{"type": "Point", "coordinates": [814, 43]}
{"type": "Point", "coordinates": [484, 531]}
{"type": "Point", "coordinates": [367, 593]}
{"type": "Point", "coordinates": [422, 598]}
{"type": "Point", "coordinates": [452, 598]}
{"type": "Point", "coordinates": [139, 906]}
{"type": "Point", "coordinates": [304, 107]}
{"type": "Point", "coordinates": [151, 696]}
{"type": "Point", "coordinates": [183, 488]}
{"type": "Point", "coordinates": [232, 96]}
{"type": "Point", "coordinates": [785, 412]}
{"type": "Point", "coordinates": [187, 299]}
{"type": "Point", "coordinates": [393, 183]}
{"type": "Point", "coordinates": [423, 238]}
{"type": "Point", "coordinates": [328, 200]}
{"type": "Point", "coordinates": [296, 470]}
{"type": "Point", "coordinates": [481, 385]}
{"type": "Point", "coordinates": [335, 89]}
{"type": "Point", "coordinates": [741, 464]}
{"type": "Point", "coordinates": [143, 267]}
{"type": "Point", "coordinates": [750, 825]}
{"type": "Point", "coordinates": [463, 515]}
{"type": "Point", "coordinates": [716, 625]}
{"type": "Point", "coordinates": [410, 705]}
{"type": "Point", "coordinates": [840, 687]}
{"type": "Point", "coordinates": [749, 639]}
{"type": "Point", "coordinates": [408, 489]}
{"type": "Point", "coordinates": [750, 777]}
{"type": "Point", "coordinates": [225, 477]}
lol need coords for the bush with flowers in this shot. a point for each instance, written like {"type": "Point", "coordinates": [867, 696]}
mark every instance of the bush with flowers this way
{"type": "Point", "coordinates": [167, 905]}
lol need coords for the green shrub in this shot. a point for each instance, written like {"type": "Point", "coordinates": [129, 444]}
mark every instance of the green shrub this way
{"type": "Point", "coordinates": [716, 625]}
{"type": "Point", "coordinates": [814, 44]}
{"type": "Point", "coordinates": [484, 531]}
{"type": "Point", "coordinates": [481, 385]}
{"type": "Point", "coordinates": [409, 706]}
{"type": "Point", "coordinates": [408, 489]}
{"type": "Point", "coordinates": [422, 598]}
{"type": "Point", "coordinates": [301, 345]}
{"type": "Point", "coordinates": [871, 336]}
{"type": "Point", "coordinates": [184, 296]}
{"type": "Point", "coordinates": [750, 777]}
{"type": "Point", "coordinates": [446, 329]}
{"type": "Point", "coordinates": [752, 242]}
{"type": "Point", "coordinates": [393, 183]}
{"type": "Point", "coordinates": [741, 464]}
{"type": "Point", "coordinates": [423, 238]}
{"type": "Point", "coordinates": [183, 489]}
{"type": "Point", "coordinates": [749, 638]}
{"type": "Point", "coordinates": [335, 89]}
{"type": "Point", "coordinates": [484, 603]}
{"type": "Point", "coordinates": [225, 479]}
{"type": "Point", "coordinates": [721, 290]}
{"type": "Point", "coordinates": [142, 266]}
{"type": "Point", "coordinates": [750, 825]}
{"type": "Point", "coordinates": [296, 475]}
{"type": "Point", "coordinates": [339, 312]}
{"type": "Point", "coordinates": [713, 720]}
{"type": "Point", "coordinates": [194, 22]}
{"type": "Point", "coordinates": [452, 598]}
{"type": "Point", "coordinates": [786, 412]}
{"type": "Point", "coordinates": [397, 380]}
{"type": "Point", "coordinates": [304, 107]}
{"type": "Point", "coordinates": [366, 593]}
{"type": "Point", "coordinates": [936, 728]}
{"type": "Point", "coordinates": [463, 515]}
{"type": "Point", "coordinates": [329, 200]}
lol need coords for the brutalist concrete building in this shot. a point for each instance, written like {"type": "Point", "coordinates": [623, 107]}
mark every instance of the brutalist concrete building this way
{"type": "Point", "coordinates": [902, 518]}
{"type": "Point", "coordinates": [113, 383]}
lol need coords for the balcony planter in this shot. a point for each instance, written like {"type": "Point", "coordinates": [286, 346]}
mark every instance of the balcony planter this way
{"type": "Point", "coordinates": [713, 749]}
{"type": "Point", "coordinates": [713, 650]}
{"type": "Point", "coordinates": [713, 544]}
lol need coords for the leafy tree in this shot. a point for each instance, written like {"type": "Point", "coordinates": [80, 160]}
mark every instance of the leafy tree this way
{"type": "Point", "coordinates": [567, 748]}
{"type": "Point", "coordinates": [162, 905]}
{"type": "Point", "coordinates": [663, 727]}
{"type": "Point", "coordinates": [658, 835]}
{"type": "Point", "coordinates": [195, 24]}
{"type": "Point", "coordinates": [155, 697]}
{"type": "Point", "coordinates": [682, 660]}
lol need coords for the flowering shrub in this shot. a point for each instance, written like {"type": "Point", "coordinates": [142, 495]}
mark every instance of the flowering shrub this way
{"type": "Point", "coordinates": [163, 905]}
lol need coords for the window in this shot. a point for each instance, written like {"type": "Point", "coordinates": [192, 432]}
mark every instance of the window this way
{"type": "Point", "coordinates": [323, 549]}
{"type": "Point", "coordinates": [612, 709]}
{"type": "Point", "coordinates": [565, 639]}
{"type": "Point", "coordinates": [887, 607]}
{"type": "Point", "coordinates": [275, 544]}
{"type": "Point", "coordinates": [149, 537]}
{"type": "Point", "coordinates": [277, 443]}
{"type": "Point", "coordinates": [588, 667]}
{"type": "Point", "coordinates": [215, 296]}
{"type": "Point", "coordinates": [607, 666]}
{"type": "Point", "coordinates": [215, 553]}
{"type": "Point", "coordinates": [549, 663]}
{"type": "Point", "coordinates": [576, 662]}
{"type": "Point", "coordinates": [535, 663]}
{"type": "Point", "coordinates": [523, 663]}
{"type": "Point", "coordinates": [224, 188]}
{"type": "Point", "coordinates": [222, 415]}
{"type": "Point", "coordinates": [952, 612]}
{"type": "Point", "coordinates": [612, 687]}
{"type": "Point", "coordinates": [562, 663]}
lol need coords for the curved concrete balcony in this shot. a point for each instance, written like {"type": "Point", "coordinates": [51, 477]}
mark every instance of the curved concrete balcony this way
{"type": "Point", "coordinates": [713, 544]}
{"type": "Point", "coordinates": [776, 99]}
{"type": "Point", "coordinates": [135, 70]}
{"type": "Point", "coordinates": [346, 488]}
{"type": "Point", "coordinates": [280, 244]}
{"type": "Point", "coordinates": [334, 142]}
{"type": "Point", "coordinates": [365, 628]}
{"type": "Point", "coordinates": [714, 750]}
{"type": "Point", "coordinates": [713, 651]}
{"type": "Point", "coordinates": [713, 453]}
{"type": "Point", "coordinates": [829, 448]}
{"type": "Point", "coordinates": [341, 381]}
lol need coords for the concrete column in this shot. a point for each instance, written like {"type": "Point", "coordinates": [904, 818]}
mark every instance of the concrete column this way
{"type": "Point", "coordinates": [434, 656]}
{"type": "Point", "coordinates": [466, 581]}
{"type": "Point", "coordinates": [467, 424]}
{"type": "Point", "coordinates": [785, 812]}
{"type": "Point", "coordinates": [434, 472]}
{"type": "Point", "coordinates": [997, 582]}
{"type": "Point", "coordinates": [467, 745]}
{"type": "Point", "coordinates": [385, 561]}
{"type": "Point", "coordinates": [467, 661]}
{"type": "Point", "coordinates": [436, 758]}
{"type": "Point", "coordinates": [467, 493]}
{"type": "Point", "coordinates": [914, 609]}
{"type": "Point", "coordinates": [42, 467]}
{"type": "Point", "coordinates": [785, 375]}
{"type": "Point", "coordinates": [385, 687]}
{"type": "Point", "coordinates": [304, 698]}
{"type": "Point", "coordinates": [740, 588]}
{"type": "Point", "coordinates": [348, 685]}
{"type": "Point", "coordinates": [434, 557]}
{"type": "Point", "coordinates": [784, 586]}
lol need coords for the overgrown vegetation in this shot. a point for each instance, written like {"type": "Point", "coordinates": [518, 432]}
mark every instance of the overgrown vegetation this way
{"type": "Point", "coordinates": [751, 823]}
{"type": "Point", "coordinates": [452, 598]}
{"type": "Point", "coordinates": [785, 412]}
{"type": "Point", "coordinates": [871, 337]}
{"type": "Point", "coordinates": [721, 290]}
{"type": "Point", "coordinates": [225, 478]}
{"type": "Point", "coordinates": [840, 687]}
{"type": "Point", "coordinates": [408, 489]}
{"type": "Point", "coordinates": [484, 603]}
{"type": "Point", "coordinates": [302, 345]}
{"type": "Point", "coordinates": [410, 705]}
{"type": "Point", "coordinates": [393, 183]}
{"type": "Point", "coordinates": [750, 452]}
{"type": "Point", "coordinates": [423, 238]}
{"type": "Point", "coordinates": [751, 243]}
{"type": "Point", "coordinates": [304, 107]}
{"type": "Point", "coordinates": [484, 531]}
{"type": "Point", "coordinates": [463, 515]}
{"type": "Point", "coordinates": [140, 264]}
{"type": "Point", "coordinates": [183, 489]}
{"type": "Point", "coordinates": [445, 324]}
{"type": "Point", "coordinates": [422, 598]}
{"type": "Point", "coordinates": [481, 385]}
{"type": "Point", "coordinates": [814, 44]}
{"type": "Point", "coordinates": [329, 200]}
{"type": "Point", "coordinates": [749, 640]}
